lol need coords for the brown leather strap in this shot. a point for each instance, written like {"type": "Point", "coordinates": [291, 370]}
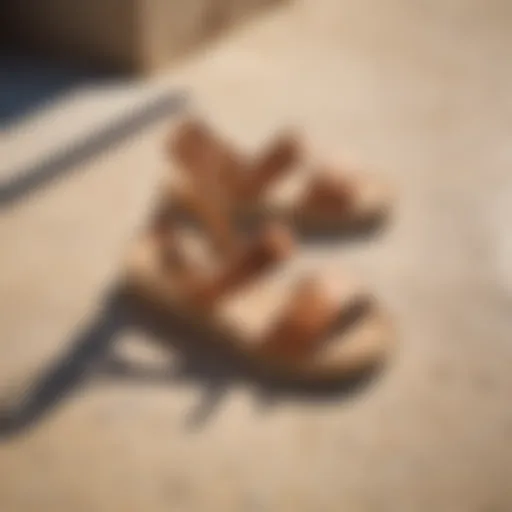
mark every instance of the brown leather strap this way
{"type": "Point", "coordinates": [273, 245]}
{"type": "Point", "coordinates": [208, 159]}
{"type": "Point", "coordinates": [304, 323]}
{"type": "Point", "coordinates": [325, 194]}
{"type": "Point", "coordinates": [212, 217]}
{"type": "Point", "coordinates": [164, 234]}
{"type": "Point", "coordinates": [275, 162]}
{"type": "Point", "coordinates": [212, 161]}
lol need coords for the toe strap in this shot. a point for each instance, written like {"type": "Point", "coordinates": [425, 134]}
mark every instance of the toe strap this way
{"type": "Point", "coordinates": [307, 318]}
{"type": "Point", "coordinates": [273, 164]}
{"type": "Point", "coordinates": [326, 194]}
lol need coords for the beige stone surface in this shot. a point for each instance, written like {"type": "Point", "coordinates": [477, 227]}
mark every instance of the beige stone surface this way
{"type": "Point", "coordinates": [417, 91]}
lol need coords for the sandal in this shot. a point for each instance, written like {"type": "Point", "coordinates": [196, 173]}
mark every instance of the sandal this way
{"type": "Point", "coordinates": [279, 183]}
{"type": "Point", "coordinates": [254, 296]}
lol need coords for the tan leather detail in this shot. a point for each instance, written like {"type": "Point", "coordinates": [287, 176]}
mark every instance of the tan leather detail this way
{"type": "Point", "coordinates": [303, 324]}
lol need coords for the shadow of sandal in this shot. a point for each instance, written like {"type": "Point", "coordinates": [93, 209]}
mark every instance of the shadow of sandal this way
{"type": "Point", "coordinates": [69, 372]}
{"type": "Point", "coordinates": [203, 362]}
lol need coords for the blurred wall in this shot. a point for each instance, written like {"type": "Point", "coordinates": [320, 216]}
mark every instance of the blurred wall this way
{"type": "Point", "coordinates": [103, 32]}
{"type": "Point", "coordinates": [135, 35]}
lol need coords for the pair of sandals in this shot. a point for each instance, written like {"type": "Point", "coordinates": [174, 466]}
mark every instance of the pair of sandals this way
{"type": "Point", "coordinates": [246, 286]}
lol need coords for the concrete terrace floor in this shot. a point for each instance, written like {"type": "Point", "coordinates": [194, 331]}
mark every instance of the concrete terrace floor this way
{"type": "Point", "coordinates": [419, 91]}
